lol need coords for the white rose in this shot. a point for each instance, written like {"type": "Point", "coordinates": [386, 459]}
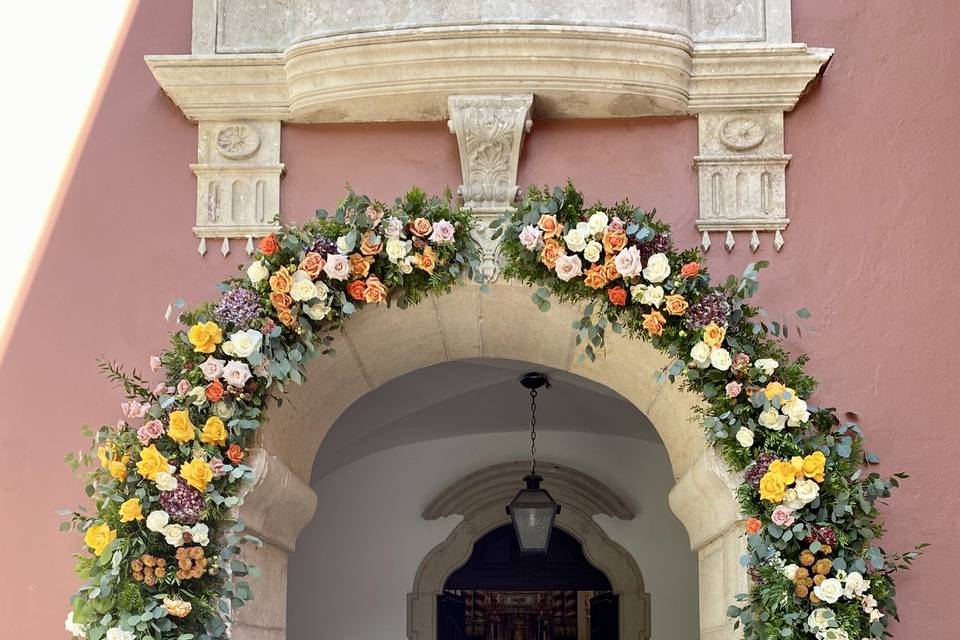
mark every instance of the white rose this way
{"type": "Point", "coordinates": [318, 311]}
{"type": "Point", "coordinates": [592, 251]}
{"type": "Point", "coordinates": [157, 520]}
{"type": "Point", "coordinates": [767, 365]}
{"type": "Point", "coordinates": [791, 501]}
{"type": "Point", "coordinates": [568, 267]}
{"type": "Point", "coordinates": [322, 289]}
{"type": "Point", "coordinates": [854, 584]}
{"type": "Point", "coordinates": [807, 490]}
{"type": "Point", "coordinates": [597, 223]}
{"type": "Point", "coordinates": [257, 272]}
{"type": "Point", "coordinates": [652, 296]}
{"type": "Point", "coordinates": [820, 618]}
{"type": "Point", "coordinates": [790, 571]}
{"type": "Point", "coordinates": [392, 227]}
{"type": "Point", "coordinates": [302, 287]}
{"type": "Point", "coordinates": [796, 411]}
{"type": "Point", "coordinates": [344, 245]}
{"type": "Point", "coordinates": [200, 533]}
{"type": "Point", "coordinates": [575, 240]}
{"type": "Point", "coordinates": [875, 615]}
{"type": "Point", "coordinates": [829, 590]}
{"type": "Point", "coordinates": [869, 603]}
{"type": "Point", "coordinates": [197, 396]}
{"type": "Point", "coordinates": [165, 481]}
{"type": "Point", "coordinates": [657, 269]}
{"type": "Point", "coordinates": [701, 354]}
{"type": "Point", "coordinates": [173, 534]}
{"type": "Point", "coordinates": [212, 368]}
{"type": "Point", "coordinates": [628, 262]}
{"type": "Point", "coordinates": [224, 409]}
{"type": "Point", "coordinates": [407, 265]}
{"type": "Point", "coordinates": [720, 359]}
{"type": "Point", "coordinates": [236, 373]}
{"type": "Point", "coordinates": [771, 419]}
{"type": "Point", "coordinates": [74, 629]}
{"type": "Point", "coordinates": [242, 344]}
{"type": "Point", "coordinates": [397, 249]}
{"type": "Point", "coordinates": [745, 437]}
{"type": "Point", "coordinates": [337, 267]}
{"type": "Point", "coordinates": [116, 633]}
{"type": "Point", "coordinates": [530, 237]}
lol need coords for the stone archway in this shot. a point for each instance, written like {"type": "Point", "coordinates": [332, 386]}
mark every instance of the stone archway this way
{"type": "Point", "coordinates": [381, 344]}
{"type": "Point", "coordinates": [480, 497]}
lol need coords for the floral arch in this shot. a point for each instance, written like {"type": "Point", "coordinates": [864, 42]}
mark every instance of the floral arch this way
{"type": "Point", "coordinates": [174, 519]}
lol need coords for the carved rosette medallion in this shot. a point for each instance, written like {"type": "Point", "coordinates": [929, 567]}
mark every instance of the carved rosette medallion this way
{"type": "Point", "coordinates": [238, 141]}
{"type": "Point", "coordinates": [742, 133]}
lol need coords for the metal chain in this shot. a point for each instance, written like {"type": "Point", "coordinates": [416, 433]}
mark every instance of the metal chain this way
{"type": "Point", "coordinates": [533, 431]}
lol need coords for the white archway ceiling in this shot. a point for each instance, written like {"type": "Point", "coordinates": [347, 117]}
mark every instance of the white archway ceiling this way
{"type": "Point", "coordinates": [468, 397]}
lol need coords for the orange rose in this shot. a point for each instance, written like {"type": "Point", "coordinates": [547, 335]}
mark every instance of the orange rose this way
{"type": "Point", "coordinates": [235, 453]}
{"type": "Point", "coordinates": [753, 526]}
{"type": "Point", "coordinates": [215, 390]}
{"type": "Point", "coordinates": [421, 227]}
{"type": "Point", "coordinates": [690, 269]}
{"type": "Point", "coordinates": [286, 318]}
{"type": "Point", "coordinates": [594, 277]}
{"type": "Point", "coordinates": [376, 291]}
{"type": "Point", "coordinates": [610, 270]}
{"type": "Point", "coordinates": [551, 228]}
{"type": "Point", "coordinates": [713, 334]}
{"type": "Point", "coordinates": [359, 266]}
{"type": "Point", "coordinates": [428, 259]}
{"type": "Point", "coordinates": [269, 245]}
{"type": "Point", "coordinates": [654, 322]}
{"type": "Point", "coordinates": [618, 296]}
{"type": "Point", "coordinates": [367, 247]}
{"type": "Point", "coordinates": [614, 242]}
{"type": "Point", "coordinates": [676, 305]}
{"type": "Point", "coordinates": [281, 301]}
{"type": "Point", "coordinates": [550, 252]}
{"type": "Point", "coordinates": [313, 263]}
{"type": "Point", "coordinates": [280, 281]}
{"type": "Point", "coordinates": [356, 289]}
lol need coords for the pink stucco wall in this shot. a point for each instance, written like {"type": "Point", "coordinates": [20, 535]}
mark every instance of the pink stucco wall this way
{"type": "Point", "coordinates": [872, 252]}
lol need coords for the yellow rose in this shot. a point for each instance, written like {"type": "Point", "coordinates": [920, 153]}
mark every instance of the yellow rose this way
{"type": "Point", "coordinates": [784, 470]}
{"type": "Point", "coordinates": [104, 456]}
{"type": "Point", "coordinates": [118, 468]}
{"type": "Point", "coordinates": [214, 432]}
{"type": "Point", "coordinates": [197, 473]}
{"type": "Point", "coordinates": [181, 429]}
{"type": "Point", "coordinates": [131, 510]}
{"type": "Point", "coordinates": [814, 466]}
{"type": "Point", "coordinates": [151, 462]}
{"type": "Point", "coordinates": [772, 487]}
{"type": "Point", "coordinates": [774, 389]}
{"type": "Point", "coordinates": [205, 336]}
{"type": "Point", "coordinates": [713, 334]}
{"type": "Point", "coordinates": [797, 463]}
{"type": "Point", "coordinates": [99, 537]}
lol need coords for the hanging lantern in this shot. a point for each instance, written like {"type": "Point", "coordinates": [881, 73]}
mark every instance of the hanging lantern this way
{"type": "Point", "coordinates": [533, 511]}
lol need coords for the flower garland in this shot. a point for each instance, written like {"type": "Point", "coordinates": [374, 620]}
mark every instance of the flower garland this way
{"type": "Point", "coordinates": [164, 544]}
{"type": "Point", "coordinates": [811, 516]}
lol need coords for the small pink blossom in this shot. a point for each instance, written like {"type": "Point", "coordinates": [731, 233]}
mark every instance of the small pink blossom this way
{"type": "Point", "coordinates": [149, 431]}
{"type": "Point", "coordinates": [782, 516]}
{"type": "Point", "coordinates": [183, 387]}
{"type": "Point", "coordinates": [121, 425]}
{"type": "Point", "coordinates": [733, 389]}
{"type": "Point", "coordinates": [160, 388]}
{"type": "Point", "coordinates": [134, 409]}
{"type": "Point", "coordinates": [155, 363]}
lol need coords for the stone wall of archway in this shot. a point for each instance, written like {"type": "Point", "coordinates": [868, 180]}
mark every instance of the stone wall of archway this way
{"type": "Point", "coordinates": [381, 344]}
{"type": "Point", "coordinates": [480, 497]}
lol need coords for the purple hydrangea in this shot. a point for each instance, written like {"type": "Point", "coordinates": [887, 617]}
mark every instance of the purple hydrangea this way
{"type": "Point", "coordinates": [184, 504]}
{"type": "Point", "coordinates": [324, 245]}
{"type": "Point", "coordinates": [756, 471]}
{"type": "Point", "coordinates": [660, 243]}
{"type": "Point", "coordinates": [239, 306]}
{"type": "Point", "coordinates": [713, 307]}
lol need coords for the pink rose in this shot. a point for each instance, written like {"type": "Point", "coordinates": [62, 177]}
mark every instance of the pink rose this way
{"type": "Point", "coordinates": [155, 363]}
{"type": "Point", "coordinates": [375, 215]}
{"type": "Point", "coordinates": [236, 373]}
{"type": "Point", "coordinates": [629, 262]}
{"type": "Point", "coordinates": [183, 387]}
{"type": "Point", "coordinates": [217, 467]}
{"type": "Point", "coordinates": [337, 267]}
{"type": "Point", "coordinates": [782, 516]}
{"type": "Point", "coordinates": [733, 389]}
{"type": "Point", "coordinates": [741, 361]}
{"type": "Point", "coordinates": [531, 237]}
{"type": "Point", "coordinates": [442, 232]}
{"type": "Point", "coordinates": [568, 267]}
{"type": "Point", "coordinates": [149, 431]}
{"type": "Point", "coordinates": [212, 368]}
{"type": "Point", "coordinates": [615, 226]}
{"type": "Point", "coordinates": [393, 227]}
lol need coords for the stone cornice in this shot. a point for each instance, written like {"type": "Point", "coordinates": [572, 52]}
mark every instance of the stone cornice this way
{"type": "Point", "coordinates": [407, 74]}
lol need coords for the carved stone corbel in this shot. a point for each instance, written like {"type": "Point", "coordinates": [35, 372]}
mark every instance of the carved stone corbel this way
{"type": "Point", "coordinates": [238, 181]}
{"type": "Point", "coordinates": [489, 130]}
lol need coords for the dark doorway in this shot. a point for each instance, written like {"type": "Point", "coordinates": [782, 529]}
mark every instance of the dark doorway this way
{"type": "Point", "coordinates": [501, 594]}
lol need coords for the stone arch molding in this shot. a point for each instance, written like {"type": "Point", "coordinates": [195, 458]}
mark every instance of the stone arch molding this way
{"type": "Point", "coordinates": [479, 499]}
{"type": "Point", "coordinates": [470, 323]}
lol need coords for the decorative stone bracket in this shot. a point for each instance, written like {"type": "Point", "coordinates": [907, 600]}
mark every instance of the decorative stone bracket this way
{"type": "Point", "coordinates": [489, 130]}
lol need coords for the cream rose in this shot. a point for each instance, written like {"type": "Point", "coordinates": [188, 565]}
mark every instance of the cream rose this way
{"type": "Point", "coordinates": [302, 287]}
{"type": "Point", "coordinates": [657, 269]}
{"type": "Point", "coordinates": [200, 533]}
{"type": "Point", "coordinates": [652, 296]}
{"type": "Point", "coordinates": [165, 481]}
{"type": "Point", "coordinates": [173, 534]}
{"type": "Point", "coordinates": [344, 244]}
{"type": "Point", "coordinates": [829, 590]}
{"type": "Point", "coordinates": [820, 618]}
{"type": "Point", "coordinates": [568, 267]}
{"type": "Point", "coordinates": [318, 311]}
{"type": "Point", "coordinates": [242, 344]}
{"type": "Point", "coordinates": [771, 419]}
{"type": "Point", "coordinates": [575, 240]}
{"type": "Point", "coordinates": [593, 251]}
{"type": "Point", "coordinates": [745, 437]}
{"type": "Point", "coordinates": [767, 365]}
{"type": "Point", "coordinates": [700, 353]}
{"type": "Point", "coordinates": [157, 520]}
{"type": "Point", "coordinates": [397, 249]}
{"type": "Point", "coordinates": [790, 571]}
{"type": "Point", "coordinates": [257, 272]}
{"type": "Point", "coordinates": [854, 584]}
{"type": "Point", "coordinates": [720, 359]}
{"type": "Point", "coordinates": [807, 491]}
{"type": "Point", "coordinates": [597, 223]}
{"type": "Point", "coordinates": [796, 411]}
